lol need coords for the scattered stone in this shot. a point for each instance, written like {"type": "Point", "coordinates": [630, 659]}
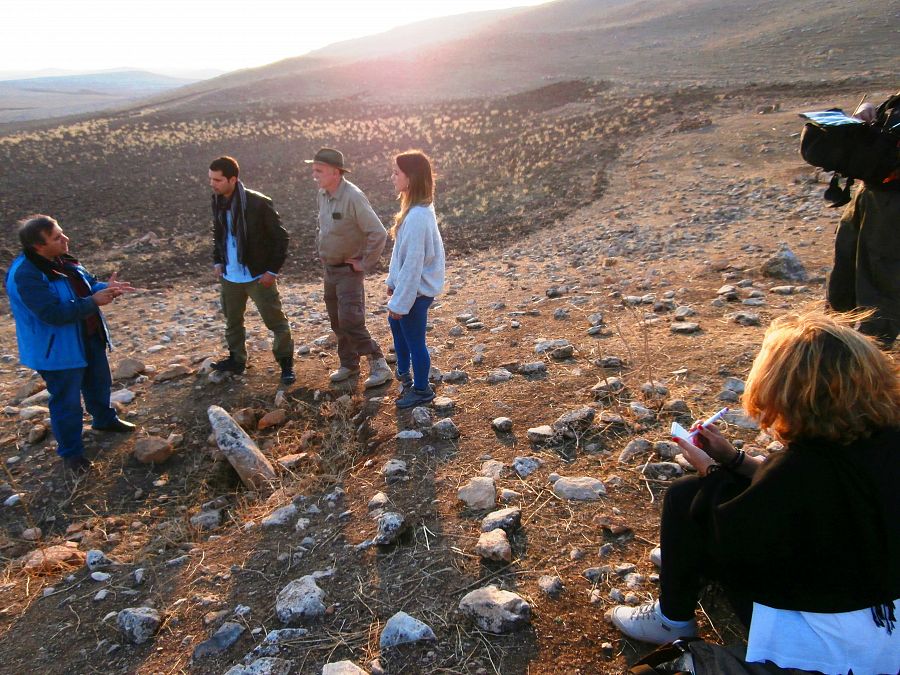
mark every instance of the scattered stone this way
{"type": "Point", "coordinates": [95, 560]}
{"type": "Point", "coordinates": [274, 418]}
{"type": "Point", "coordinates": [442, 406]}
{"type": "Point", "coordinates": [525, 466]}
{"type": "Point", "coordinates": [562, 353]}
{"type": "Point", "coordinates": [494, 610]}
{"type": "Point", "coordinates": [685, 327]}
{"type": "Point", "coordinates": [656, 556]}
{"type": "Point", "coordinates": [122, 396]}
{"type": "Point", "coordinates": [546, 346]}
{"type": "Point", "coordinates": [280, 517]}
{"type": "Point", "coordinates": [499, 376]}
{"type": "Point", "coordinates": [746, 318]}
{"type": "Point", "coordinates": [479, 493]}
{"type": "Point", "coordinates": [663, 470]}
{"type": "Point", "coordinates": [300, 601]}
{"type": "Point", "coordinates": [551, 586]}
{"type": "Point", "coordinates": [507, 495]}
{"type": "Point", "coordinates": [52, 559]}
{"type": "Point", "coordinates": [292, 461]}
{"type": "Point", "coordinates": [493, 469]}
{"type": "Point", "coordinates": [581, 488]}
{"type": "Point", "coordinates": [207, 520]}
{"type": "Point", "coordinates": [445, 429]}
{"type": "Point", "coordinates": [32, 411]}
{"type": "Point", "coordinates": [242, 453]}
{"type": "Point", "coordinates": [394, 470]}
{"type": "Point", "coordinates": [508, 519]}
{"type": "Point", "coordinates": [638, 446]}
{"type": "Point", "coordinates": [172, 372]}
{"type": "Point", "coordinates": [341, 668]}
{"type": "Point", "coordinates": [379, 501]}
{"type": "Point", "coordinates": [455, 377]}
{"type": "Point", "coordinates": [390, 526]}
{"type": "Point", "coordinates": [421, 417]}
{"type": "Point", "coordinates": [37, 433]}
{"type": "Point", "coordinates": [267, 665]}
{"type": "Point", "coordinates": [734, 384]}
{"type": "Point", "coordinates": [32, 534]}
{"type": "Point", "coordinates": [246, 418]}
{"type": "Point", "coordinates": [541, 435]}
{"type": "Point", "coordinates": [152, 450]}
{"type": "Point", "coordinates": [403, 629]}
{"type": "Point", "coordinates": [409, 435]}
{"type": "Point", "coordinates": [128, 368]}
{"type": "Point", "coordinates": [533, 368]}
{"type": "Point", "coordinates": [741, 419]}
{"type": "Point", "coordinates": [654, 389]}
{"type": "Point", "coordinates": [494, 545]}
{"type": "Point", "coordinates": [608, 387]}
{"type": "Point", "coordinates": [784, 265]}
{"type": "Point", "coordinates": [666, 449]}
{"type": "Point", "coordinates": [502, 424]}
{"type": "Point", "coordinates": [574, 422]}
{"type": "Point", "coordinates": [139, 624]}
{"type": "Point", "coordinates": [227, 634]}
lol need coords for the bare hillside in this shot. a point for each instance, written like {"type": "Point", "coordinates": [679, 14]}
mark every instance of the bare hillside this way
{"type": "Point", "coordinates": [655, 42]}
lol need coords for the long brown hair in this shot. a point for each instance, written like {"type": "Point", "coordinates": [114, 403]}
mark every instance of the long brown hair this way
{"type": "Point", "coordinates": [816, 377]}
{"type": "Point", "coordinates": [417, 167]}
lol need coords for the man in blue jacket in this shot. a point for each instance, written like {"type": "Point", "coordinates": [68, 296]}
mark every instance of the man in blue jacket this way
{"type": "Point", "coordinates": [61, 333]}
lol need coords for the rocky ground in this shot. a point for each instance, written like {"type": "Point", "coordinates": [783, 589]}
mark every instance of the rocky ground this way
{"type": "Point", "coordinates": [488, 533]}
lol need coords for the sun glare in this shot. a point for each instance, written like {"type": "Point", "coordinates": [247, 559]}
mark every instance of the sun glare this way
{"type": "Point", "coordinates": [194, 34]}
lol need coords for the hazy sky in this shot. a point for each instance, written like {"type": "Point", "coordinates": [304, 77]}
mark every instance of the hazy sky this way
{"type": "Point", "coordinates": [192, 34]}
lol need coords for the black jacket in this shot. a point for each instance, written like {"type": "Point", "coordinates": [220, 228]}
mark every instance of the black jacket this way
{"type": "Point", "coordinates": [264, 242]}
{"type": "Point", "coordinates": [817, 529]}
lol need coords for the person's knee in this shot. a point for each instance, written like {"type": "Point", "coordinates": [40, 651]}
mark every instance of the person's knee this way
{"type": "Point", "coordinates": [351, 313]}
{"type": "Point", "coordinates": [681, 493]}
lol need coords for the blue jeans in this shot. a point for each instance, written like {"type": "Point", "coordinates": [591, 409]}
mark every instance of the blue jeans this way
{"type": "Point", "coordinates": [409, 342]}
{"type": "Point", "coordinates": [66, 388]}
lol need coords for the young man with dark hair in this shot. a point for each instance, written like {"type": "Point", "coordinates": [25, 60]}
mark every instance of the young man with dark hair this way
{"type": "Point", "coordinates": [62, 335]}
{"type": "Point", "coordinates": [350, 241]}
{"type": "Point", "coordinates": [249, 248]}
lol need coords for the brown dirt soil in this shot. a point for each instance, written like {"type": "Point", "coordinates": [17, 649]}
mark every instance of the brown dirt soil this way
{"type": "Point", "coordinates": [685, 206]}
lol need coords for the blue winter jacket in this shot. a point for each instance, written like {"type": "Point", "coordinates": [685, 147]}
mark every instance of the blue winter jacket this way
{"type": "Point", "coordinates": [49, 315]}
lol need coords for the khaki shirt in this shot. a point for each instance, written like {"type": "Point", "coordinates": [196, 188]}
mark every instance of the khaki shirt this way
{"type": "Point", "coordinates": [348, 228]}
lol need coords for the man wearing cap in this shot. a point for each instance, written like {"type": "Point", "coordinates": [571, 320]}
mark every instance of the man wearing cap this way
{"type": "Point", "coordinates": [350, 240]}
{"type": "Point", "coordinates": [249, 248]}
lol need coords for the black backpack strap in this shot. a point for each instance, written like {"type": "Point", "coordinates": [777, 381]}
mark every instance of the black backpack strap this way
{"type": "Point", "coordinates": [662, 655]}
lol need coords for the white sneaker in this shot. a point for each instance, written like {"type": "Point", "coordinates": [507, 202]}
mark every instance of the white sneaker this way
{"type": "Point", "coordinates": [342, 374]}
{"type": "Point", "coordinates": [379, 373]}
{"type": "Point", "coordinates": [647, 624]}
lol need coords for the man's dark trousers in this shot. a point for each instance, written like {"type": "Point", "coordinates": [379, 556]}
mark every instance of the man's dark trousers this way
{"type": "Point", "coordinates": [66, 388]}
{"type": "Point", "coordinates": [268, 302]}
{"type": "Point", "coordinates": [345, 299]}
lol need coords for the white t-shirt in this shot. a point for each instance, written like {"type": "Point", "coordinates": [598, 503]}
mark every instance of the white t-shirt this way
{"type": "Point", "coordinates": [829, 643]}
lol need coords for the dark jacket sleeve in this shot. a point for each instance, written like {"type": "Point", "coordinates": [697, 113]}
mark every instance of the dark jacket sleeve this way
{"type": "Point", "coordinates": [218, 233]}
{"type": "Point", "coordinates": [276, 237]}
{"type": "Point", "coordinates": [34, 289]}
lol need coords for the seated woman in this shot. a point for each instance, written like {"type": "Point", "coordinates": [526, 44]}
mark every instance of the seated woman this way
{"type": "Point", "coordinates": [806, 541]}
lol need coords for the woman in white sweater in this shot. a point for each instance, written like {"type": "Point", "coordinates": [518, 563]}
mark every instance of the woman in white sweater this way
{"type": "Point", "coordinates": [416, 274]}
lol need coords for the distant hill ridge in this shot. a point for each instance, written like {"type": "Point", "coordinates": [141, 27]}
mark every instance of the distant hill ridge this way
{"type": "Point", "coordinates": [652, 41]}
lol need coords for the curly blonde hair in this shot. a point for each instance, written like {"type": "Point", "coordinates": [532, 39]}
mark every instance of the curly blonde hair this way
{"type": "Point", "coordinates": [816, 377]}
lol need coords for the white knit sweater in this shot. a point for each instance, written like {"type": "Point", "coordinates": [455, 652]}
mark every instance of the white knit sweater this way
{"type": "Point", "coordinates": [417, 261]}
